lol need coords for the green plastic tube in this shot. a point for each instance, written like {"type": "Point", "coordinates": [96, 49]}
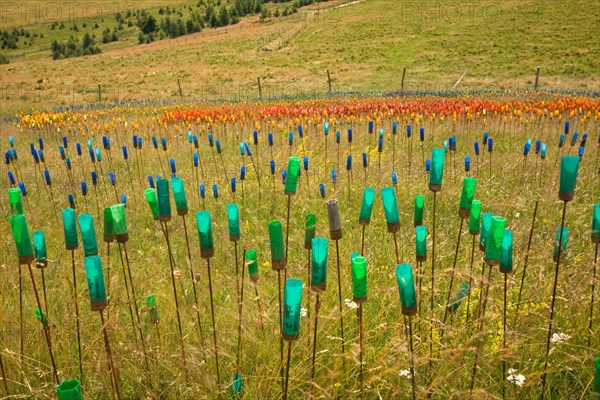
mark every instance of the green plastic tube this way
{"type": "Point", "coordinates": [366, 208]}
{"type": "Point", "coordinates": [95, 281]}
{"type": "Point", "coordinates": [390, 208]}
{"type": "Point", "coordinates": [319, 264]}
{"type": "Point", "coordinates": [353, 255]}
{"type": "Point", "coordinates": [406, 288]}
{"type": "Point", "coordinates": [152, 200]}
{"type": "Point", "coordinates": [41, 316]}
{"type": "Point", "coordinates": [486, 224]}
{"type": "Point", "coordinates": [237, 385]}
{"type": "Point", "coordinates": [88, 234]}
{"type": "Point", "coordinates": [596, 386]}
{"type": "Point", "coordinates": [70, 229]}
{"type": "Point", "coordinates": [164, 200]}
{"type": "Point", "coordinates": [69, 390]}
{"type": "Point", "coordinates": [493, 247]}
{"type": "Point", "coordinates": [39, 249]}
{"type": "Point", "coordinates": [437, 169]}
{"type": "Point", "coordinates": [458, 298]}
{"type": "Point", "coordinates": [569, 166]}
{"type": "Point", "coordinates": [119, 222]}
{"type": "Point", "coordinates": [15, 200]}
{"type": "Point", "coordinates": [359, 279]}
{"type": "Point", "coordinates": [419, 205]}
{"type": "Point", "coordinates": [475, 217]}
{"type": "Point", "coordinates": [278, 261]}
{"type": "Point", "coordinates": [421, 242]}
{"type": "Point", "coordinates": [293, 171]}
{"type": "Point", "coordinates": [466, 197]}
{"type": "Point", "coordinates": [565, 238]}
{"type": "Point", "coordinates": [205, 233]}
{"type": "Point", "coordinates": [152, 309]}
{"type": "Point", "coordinates": [506, 255]}
{"type": "Point", "coordinates": [233, 221]}
{"type": "Point", "coordinates": [109, 226]}
{"type": "Point", "coordinates": [292, 300]}
{"type": "Point", "coordinates": [252, 265]}
{"type": "Point", "coordinates": [179, 195]}
{"type": "Point", "coordinates": [310, 231]}
{"type": "Point", "coordinates": [596, 224]}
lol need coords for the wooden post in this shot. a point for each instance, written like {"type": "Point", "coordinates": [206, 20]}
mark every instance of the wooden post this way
{"type": "Point", "coordinates": [560, 249]}
{"type": "Point", "coordinates": [458, 82]}
{"type": "Point", "coordinates": [403, 75]}
{"type": "Point", "coordinates": [111, 362]}
{"type": "Point", "coordinates": [329, 80]}
{"type": "Point", "coordinates": [100, 93]}
{"type": "Point", "coordinates": [180, 92]}
{"type": "Point", "coordinates": [259, 88]}
{"type": "Point", "coordinates": [537, 77]}
{"type": "Point", "coordinates": [4, 376]}
{"type": "Point", "coordinates": [76, 314]}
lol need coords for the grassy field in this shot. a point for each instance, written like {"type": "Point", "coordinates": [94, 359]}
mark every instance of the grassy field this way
{"type": "Point", "coordinates": [119, 18]}
{"type": "Point", "coordinates": [39, 13]}
{"type": "Point", "coordinates": [499, 46]}
{"type": "Point", "coordinates": [508, 185]}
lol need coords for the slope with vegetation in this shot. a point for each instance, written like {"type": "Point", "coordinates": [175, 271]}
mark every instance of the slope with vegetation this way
{"type": "Point", "coordinates": [87, 35]}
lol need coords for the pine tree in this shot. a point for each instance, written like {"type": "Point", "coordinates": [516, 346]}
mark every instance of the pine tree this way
{"type": "Point", "coordinates": [224, 17]}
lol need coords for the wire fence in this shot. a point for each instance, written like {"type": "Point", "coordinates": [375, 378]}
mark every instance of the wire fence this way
{"type": "Point", "coordinates": [300, 95]}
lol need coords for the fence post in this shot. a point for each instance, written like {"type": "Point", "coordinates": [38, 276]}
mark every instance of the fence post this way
{"type": "Point", "coordinates": [259, 89]}
{"type": "Point", "coordinates": [458, 82]}
{"type": "Point", "coordinates": [403, 75]}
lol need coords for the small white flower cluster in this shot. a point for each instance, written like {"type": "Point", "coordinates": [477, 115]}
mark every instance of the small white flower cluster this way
{"type": "Point", "coordinates": [351, 304]}
{"type": "Point", "coordinates": [515, 378]}
{"type": "Point", "coordinates": [404, 373]}
{"type": "Point", "coordinates": [303, 312]}
{"type": "Point", "coordinates": [559, 337]}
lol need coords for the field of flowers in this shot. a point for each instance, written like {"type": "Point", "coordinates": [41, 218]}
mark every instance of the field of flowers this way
{"type": "Point", "coordinates": [425, 245]}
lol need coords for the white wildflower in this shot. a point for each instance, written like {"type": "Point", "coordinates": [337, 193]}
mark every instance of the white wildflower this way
{"type": "Point", "coordinates": [517, 215]}
{"type": "Point", "coordinates": [404, 373]}
{"type": "Point", "coordinates": [303, 312]}
{"type": "Point", "coordinates": [515, 378]}
{"type": "Point", "coordinates": [559, 337]}
{"type": "Point", "coordinates": [351, 304]}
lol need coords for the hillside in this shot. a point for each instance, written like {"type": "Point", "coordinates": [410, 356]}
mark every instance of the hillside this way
{"type": "Point", "coordinates": [365, 46]}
